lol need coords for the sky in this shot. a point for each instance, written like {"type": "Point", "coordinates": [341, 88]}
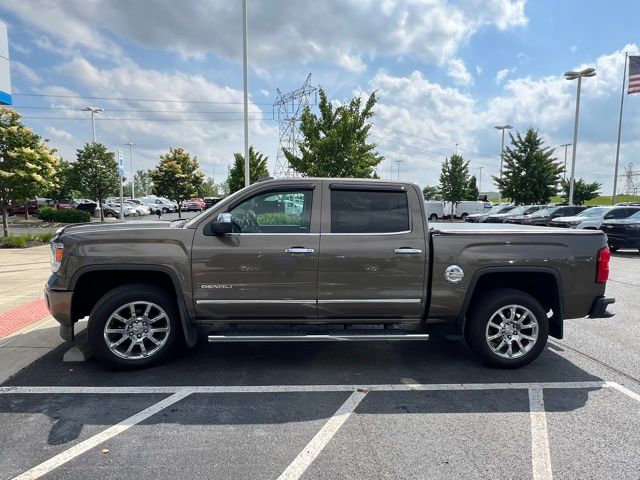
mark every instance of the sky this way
{"type": "Point", "coordinates": [169, 74]}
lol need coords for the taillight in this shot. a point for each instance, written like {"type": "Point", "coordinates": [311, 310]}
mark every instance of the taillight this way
{"type": "Point", "coordinates": [602, 269]}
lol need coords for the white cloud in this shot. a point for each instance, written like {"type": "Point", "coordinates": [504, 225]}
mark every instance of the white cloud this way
{"type": "Point", "coordinates": [56, 134]}
{"type": "Point", "coordinates": [458, 71]}
{"type": "Point", "coordinates": [339, 32]}
{"type": "Point", "coordinates": [501, 75]}
{"type": "Point", "coordinates": [29, 74]}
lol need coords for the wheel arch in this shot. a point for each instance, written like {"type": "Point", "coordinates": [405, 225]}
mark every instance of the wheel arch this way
{"type": "Point", "coordinates": [542, 283]}
{"type": "Point", "coordinates": [91, 282]}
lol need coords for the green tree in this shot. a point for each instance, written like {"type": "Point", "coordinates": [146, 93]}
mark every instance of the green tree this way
{"type": "Point", "coordinates": [66, 186]}
{"type": "Point", "coordinates": [257, 169]}
{"type": "Point", "coordinates": [177, 176]}
{"type": "Point", "coordinates": [472, 189]}
{"type": "Point", "coordinates": [430, 192]}
{"type": "Point", "coordinates": [96, 173]}
{"type": "Point", "coordinates": [335, 144]}
{"type": "Point", "coordinates": [27, 166]}
{"type": "Point", "coordinates": [142, 183]}
{"type": "Point", "coordinates": [582, 191]}
{"type": "Point", "coordinates": [530, 174]}
{"type": "Point", "coordinates": [208, 189]}
{"type": "Point", "coordinates": [454, 180]}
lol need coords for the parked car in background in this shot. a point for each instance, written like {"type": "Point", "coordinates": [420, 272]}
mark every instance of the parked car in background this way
{"type": "Point", "coordinates": [139, 209]}
{"type": "Point", "coordinates": [34, 206]}
{"type": "Point", "coordinates": [623, 233]}
{"type": "Point", "coordinates": [191, 205]}
{"type": "Point", "coordinates": [592, 218]}
{"type": "Point", "coordinates": [211, 201]}
{"type": "Point", "coordinates": [110, 210]}
{"type": "Point", "coordinates": [128, 209]}
{"type": "Point", "coordinates": [481, 217]}
{"type": "Point", "coordinates": [433, 209]}
{"type": "Point", "coordinates": [161, 204]}
{"type": "Point", "coordinates": [546, 215]}
{"type": "Point", "coordinates": [465, 208]}
{"type": "Point", "coordinates": [521, 210]}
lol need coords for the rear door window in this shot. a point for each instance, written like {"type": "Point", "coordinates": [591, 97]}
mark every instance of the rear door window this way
{"type": "Point", "coordinates": [362, 211]}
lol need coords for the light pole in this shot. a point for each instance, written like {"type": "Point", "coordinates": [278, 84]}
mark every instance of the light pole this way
{"type": "Point", "coordinates": [398, 162]}
{"type": "Point", "coordinates": [502, 128]}
{"type": "Point", "coordinates": [93, 111]}
{"type": "Point", "coordinates": [480, 180]}
{"type": "Point", "coordinates": [245, 77]}
{"type": "Point", "coordinates": [587, 72]}
{"type": "Point", "coordinates": [131, 145]}
{"type": "Point", "coordinates": [565, 145]}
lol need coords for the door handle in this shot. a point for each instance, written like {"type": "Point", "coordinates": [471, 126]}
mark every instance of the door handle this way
{"type": "Point", "coordinates": [299, 250]}
{"type": "Point", "coordinates": [407, 251]}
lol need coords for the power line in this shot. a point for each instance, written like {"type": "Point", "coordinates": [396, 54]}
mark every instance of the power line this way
{"type": "Point", "coordinates": [102, 119]}
{"type": "Point", "coordinates": [431, 140]}
{"type": "Point", "coordinates": [130, 99]}
{"type": "Point", "coordinates": [28, 107]}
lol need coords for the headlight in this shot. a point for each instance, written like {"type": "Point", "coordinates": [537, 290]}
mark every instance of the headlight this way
{"type": "Point", "coordinates": [57, 250]}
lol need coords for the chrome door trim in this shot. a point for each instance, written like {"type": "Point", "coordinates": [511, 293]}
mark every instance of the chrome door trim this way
{"type": "Point", "coordinates": [226, 302]}
{"type": "Point", "coordinates": [367, 234]}
{"type": "Point", "coordinates": [377, 300]}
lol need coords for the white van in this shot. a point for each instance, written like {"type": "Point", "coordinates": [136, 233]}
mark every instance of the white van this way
{"type": "Point", "coordinates": [464, 208]}
{"type": "Point", "coordinates": [434, 210]}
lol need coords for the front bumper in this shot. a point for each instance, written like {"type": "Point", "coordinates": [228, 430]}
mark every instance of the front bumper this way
{"type": "Point", "coordinates": [59, 305]}
{"type": "Point", "coordinates": [599, 307]}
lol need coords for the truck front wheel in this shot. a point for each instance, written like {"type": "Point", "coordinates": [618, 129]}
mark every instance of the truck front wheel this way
{"type": "Point", "coordinates": [134, 326]}
{"type": "Point", "coordinates": [507, 328]}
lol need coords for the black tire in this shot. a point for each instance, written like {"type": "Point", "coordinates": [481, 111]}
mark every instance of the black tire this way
{"type": "Point", "coordinates": [112, 302]}
{"type": "Point", "coordinates": [433, 217]}
{"type": "Point", "coordinates": [481, 312]}
{"type": "Point", "coordinates": [464, 216]}
{"type": "Point", "coordinates": [613, 249]}
{"type": "Point", "coordinates": [165, 210]}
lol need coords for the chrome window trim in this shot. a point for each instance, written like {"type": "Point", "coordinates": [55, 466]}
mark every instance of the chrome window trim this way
{"type": "Point", "coordinates": [403, 232]}
{"type": "Point", "coordinates": [313, 302]}
{"type": "Point", "coordinates": [280, 234]}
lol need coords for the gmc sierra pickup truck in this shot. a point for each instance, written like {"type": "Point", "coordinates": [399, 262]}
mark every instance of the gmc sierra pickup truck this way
{"type": "Point", "coordinates": [312, 259]}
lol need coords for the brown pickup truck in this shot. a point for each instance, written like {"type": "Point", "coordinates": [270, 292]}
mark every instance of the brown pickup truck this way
{"type": "Point", "coordinates": [311, 259]}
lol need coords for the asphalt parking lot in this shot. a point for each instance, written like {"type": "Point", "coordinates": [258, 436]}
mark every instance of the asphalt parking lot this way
{"type": "Point", "coordinates": [364, 410]}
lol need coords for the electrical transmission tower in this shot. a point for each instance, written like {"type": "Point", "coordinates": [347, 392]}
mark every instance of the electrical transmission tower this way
{"type": "Point", "coordinates": [631, 185]}
{"type": "Point", "coordinates": [288, 109]}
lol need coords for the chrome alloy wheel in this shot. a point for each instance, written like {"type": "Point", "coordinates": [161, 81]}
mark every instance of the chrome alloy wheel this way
{"type": "Point", "coordinates": [512, 331]}
{"type": "Point", "coordinates": [137, 330]}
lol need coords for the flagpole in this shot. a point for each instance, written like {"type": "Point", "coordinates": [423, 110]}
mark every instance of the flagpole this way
{"type": "Point", "coordinates": [615, 173]}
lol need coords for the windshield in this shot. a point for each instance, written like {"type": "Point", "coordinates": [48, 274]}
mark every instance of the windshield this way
{"type": "Point", "coordinates": [498, 209]}
{"type": "Point", "coordinates": [544, 212]}
{"type": "Point", "coordinates": [517, 210]}
{"type": "Point", "coordinates": [593, 212]}
{"type": "Point", "coordinates": [635, 216]}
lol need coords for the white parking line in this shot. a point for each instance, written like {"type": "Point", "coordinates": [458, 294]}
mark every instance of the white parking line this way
{"type": "Point", "coordinates": [305, 458]}
{"type": "Point", "coordinates": [89, 443]}
{"type": "Point", "coordinates": [305, 388]}
{"type": "Point", "coordinates": [540, 454]}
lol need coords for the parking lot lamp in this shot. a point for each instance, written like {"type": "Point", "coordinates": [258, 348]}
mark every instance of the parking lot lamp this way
{"type": "Point", "coordinates": [565, 145]}
{"type": "Point", "coordinates": [93, 111]}
{"type": "Point", "coordinates": [131, 145]}
{"type": "Point", "coordinates": [587, 72]}
{"type": "Point", "coordinates": [502, 128]}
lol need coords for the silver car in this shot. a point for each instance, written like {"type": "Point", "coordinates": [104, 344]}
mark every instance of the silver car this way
{"type": "Point", "coordinates": [592, 218]}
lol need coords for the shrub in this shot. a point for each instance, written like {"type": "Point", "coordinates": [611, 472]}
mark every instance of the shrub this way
{"type": "Point", "coordinates": [15, 241]}
{"type": "Point", "coordinates": [22, 241]}
{"type": "Point", "coordinates": [277, 219]}
{"type": "Point", "coordinates": [49, 214]}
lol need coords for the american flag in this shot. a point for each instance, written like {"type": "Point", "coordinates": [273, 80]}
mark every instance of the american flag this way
{"type": "Point", "coordinates": [634, 74]}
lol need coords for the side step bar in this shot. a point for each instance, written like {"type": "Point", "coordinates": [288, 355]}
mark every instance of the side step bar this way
{"type": "Point", "coordinates": [343, 337]}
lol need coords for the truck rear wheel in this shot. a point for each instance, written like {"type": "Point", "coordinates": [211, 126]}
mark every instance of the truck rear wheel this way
{"type": "Point", "coordinates": [433, 217]}
{"type": "Point", "coordinates": [134, 326]}
{"type": "Point", "coordinates": [507, 328]}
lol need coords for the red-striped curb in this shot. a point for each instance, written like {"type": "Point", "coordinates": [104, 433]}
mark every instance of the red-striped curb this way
{"type": "Point", "coordinates": [22, 316]}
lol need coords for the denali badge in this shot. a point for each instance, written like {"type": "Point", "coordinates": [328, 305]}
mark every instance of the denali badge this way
{"type": "Point", "coordinates": [216, 285]}
{"type": "Point", "coordinates": [454, 274]}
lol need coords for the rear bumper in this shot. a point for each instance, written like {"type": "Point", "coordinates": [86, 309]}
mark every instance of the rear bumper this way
{"type": "Point", "coordinates": [599, 307]}
{"type": "Point", "coordinates": [59, 305]}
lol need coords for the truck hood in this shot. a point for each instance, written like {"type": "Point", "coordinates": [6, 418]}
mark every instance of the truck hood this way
{"type": "Point", "coordinates": [622, 221]}
{"type": "Point", "coordinates": [574, 218]}
{"type": "Point", "coordinates": [113, 226]}
{"type": "Point", "coordinates": [447, 228]}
